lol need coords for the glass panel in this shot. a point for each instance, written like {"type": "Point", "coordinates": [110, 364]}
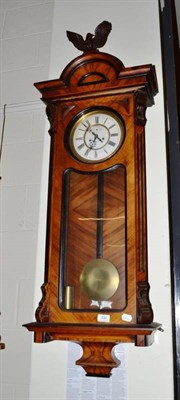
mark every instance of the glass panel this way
{"type": "Point", "coordinates": [93, 265]}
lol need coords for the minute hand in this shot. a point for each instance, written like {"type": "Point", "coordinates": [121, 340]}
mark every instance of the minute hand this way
{"type": "Point", "coordinates": [96, 136]}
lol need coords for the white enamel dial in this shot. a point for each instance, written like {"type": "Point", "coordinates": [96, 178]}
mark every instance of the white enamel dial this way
{"type": "Point", "coordinates": [96, 136]}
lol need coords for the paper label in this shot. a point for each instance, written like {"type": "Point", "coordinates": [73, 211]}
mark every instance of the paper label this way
{"type": "Point", "coordinates": [103, 318]}
{"type": "Point", "coordinates": [127, 317]}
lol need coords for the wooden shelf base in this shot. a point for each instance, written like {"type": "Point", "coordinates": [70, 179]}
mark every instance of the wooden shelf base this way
{"type": "Point", "coordinates": [97, 342]}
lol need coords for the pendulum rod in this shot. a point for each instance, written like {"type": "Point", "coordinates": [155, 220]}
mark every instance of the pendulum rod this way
{"type": "Point", "coordinates": [100, 206]}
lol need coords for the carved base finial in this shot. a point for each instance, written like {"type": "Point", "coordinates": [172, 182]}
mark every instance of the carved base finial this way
{"type": "Point", "coordinates": [98, 359]}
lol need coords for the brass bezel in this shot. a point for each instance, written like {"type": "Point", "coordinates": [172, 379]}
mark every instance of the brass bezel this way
{"type": "Point", "coordinates": [84, 116]}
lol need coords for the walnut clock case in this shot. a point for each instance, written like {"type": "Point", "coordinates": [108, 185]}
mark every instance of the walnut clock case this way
{"type": "Point", "coordinates": [96, 289]}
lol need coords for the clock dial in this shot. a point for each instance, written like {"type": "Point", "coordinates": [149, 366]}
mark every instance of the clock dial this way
{"type": "Point", "coordinates": [96, 136]}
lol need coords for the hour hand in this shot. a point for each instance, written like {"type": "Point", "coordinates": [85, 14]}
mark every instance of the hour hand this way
{"type": "Point", "coordinates": [96, 136]}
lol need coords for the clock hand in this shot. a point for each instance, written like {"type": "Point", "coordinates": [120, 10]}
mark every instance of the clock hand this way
{"type": "Point", "coordinates": [94, 134]}
{"type": "Point", "coordinates": [96, 137]}
{"type": "Point", "coordinates": [92, 142]}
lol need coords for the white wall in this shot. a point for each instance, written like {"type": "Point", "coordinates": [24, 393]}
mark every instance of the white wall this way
{"type": "Point", "coordinates": [25, 42]}
{"type": "Point", "coordinates": [24, 54]}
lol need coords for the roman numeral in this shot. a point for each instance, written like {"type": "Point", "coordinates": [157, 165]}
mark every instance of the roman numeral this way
{"type": "Point", "coordinates": [87, 152]}
{"type": "Point", "coordinates": [79, 138]}
{"type": "Point", "coordinates": [86, 124]}
{"type": "Point", "coordinates": [114, 134]}
{"type": "Point", "coordinates": [97, 119]}
{"type": "Point", "coordinates": [111, 143]}
{"type": "Point", "coordinates": [112, 126]}
{"type": "Point", "coordinates": [80, 146]}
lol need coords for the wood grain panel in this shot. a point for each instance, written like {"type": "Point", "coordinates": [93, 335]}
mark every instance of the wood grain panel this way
{"type": "Point", "coordinates": [81, 224]}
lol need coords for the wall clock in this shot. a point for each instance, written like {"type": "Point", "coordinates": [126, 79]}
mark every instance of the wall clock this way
{"type": "Point", "coordinates": [96, 289]}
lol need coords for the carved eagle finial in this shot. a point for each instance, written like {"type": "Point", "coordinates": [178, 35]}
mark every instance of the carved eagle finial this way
{"type": "Point", "coordinates": [92, 41]}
